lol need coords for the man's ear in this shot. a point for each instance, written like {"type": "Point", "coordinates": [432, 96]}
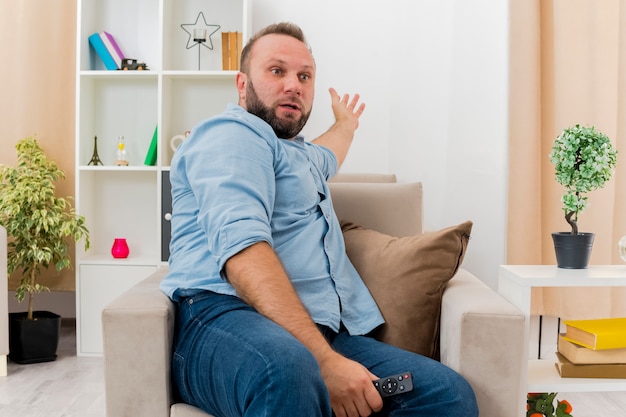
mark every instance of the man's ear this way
{"type": "Point", "coordinates": [241, 81]}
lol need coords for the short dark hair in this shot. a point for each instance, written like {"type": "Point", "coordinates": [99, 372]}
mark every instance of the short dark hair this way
{"type": "Point", "coordinates": [282, 28]}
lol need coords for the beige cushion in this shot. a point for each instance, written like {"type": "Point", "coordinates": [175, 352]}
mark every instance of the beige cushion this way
{"type": "Point", "coordinates": [407, 276]}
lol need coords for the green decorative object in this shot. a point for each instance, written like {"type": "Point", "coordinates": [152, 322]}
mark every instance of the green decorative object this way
{"type": "Point", "coordinates": [584, 160]}
{"type": "Point", "coordinates": [39, 224]}
{"type": "Point", "coordinates": [151, 155]}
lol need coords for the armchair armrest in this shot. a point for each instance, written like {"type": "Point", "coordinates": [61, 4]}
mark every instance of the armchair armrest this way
{"type": "Point", "coordinates": [138, 328]}
{"type": "Point", "coordinates": [482, 339]}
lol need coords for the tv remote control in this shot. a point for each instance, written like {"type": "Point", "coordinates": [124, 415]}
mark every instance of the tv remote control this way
{"type": "Point", "coordinates": [394, 384]}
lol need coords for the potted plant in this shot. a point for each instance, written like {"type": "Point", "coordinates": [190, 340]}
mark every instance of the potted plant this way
{"type": "Point", "coordinates": [584, 161]}
{"type": "Point", "coordinates": [542, 405]}
{"type": "Point", "coordinates": [39, 226]}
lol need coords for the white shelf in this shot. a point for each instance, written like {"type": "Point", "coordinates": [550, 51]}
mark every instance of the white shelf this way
{"type": "Point", "coordinates": [130, 75]}
{"type": "Point", "coordinates": [516, 282]}
{"type": "Point", "coordinates": [552, 276]}
{"type": "Point", "coordinates": [114, 168]}
{"type": "Point", "coordinates": [544, 377]}
{"type": "Point", "coordinates": [200, 74]}
{"type": "Point", "coordinates": [172, 95]}
{"type": "Point", "coordinates": [109, 260]}
{"type": "Point", "coordinates": [103, 74]}
{"type": "Point", "coordinates": [98, 285]}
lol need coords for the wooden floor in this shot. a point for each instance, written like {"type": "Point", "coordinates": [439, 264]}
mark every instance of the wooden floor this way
{"type": "Point", "coordinates": [74, 387]}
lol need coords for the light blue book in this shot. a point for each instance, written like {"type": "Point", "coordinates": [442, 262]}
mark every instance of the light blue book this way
{"type": "Point", "coordinates": [102, 51]}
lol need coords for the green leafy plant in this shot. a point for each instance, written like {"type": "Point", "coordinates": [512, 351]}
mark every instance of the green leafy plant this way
{"type": "Point", "coordinates": [542, 405]}
{"type": "Point", "coordinates": [39, 224]}
{"type": "Point", "coordinates": [584, 161]}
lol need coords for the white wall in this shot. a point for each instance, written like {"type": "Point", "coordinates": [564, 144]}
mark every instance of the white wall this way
{"type": "Point", "coordinates": [434, 76]}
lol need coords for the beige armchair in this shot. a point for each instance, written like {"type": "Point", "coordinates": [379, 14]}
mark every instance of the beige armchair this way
{"type": "Point", "coordinates": [481, 334]}
{"type": "Point", "coordinates": [4, 304]}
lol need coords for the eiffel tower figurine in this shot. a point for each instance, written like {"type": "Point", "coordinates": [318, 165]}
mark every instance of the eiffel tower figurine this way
{"type": "Point", "coordinates": [95, 159]}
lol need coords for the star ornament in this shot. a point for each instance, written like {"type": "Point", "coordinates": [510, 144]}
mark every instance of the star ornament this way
{"type": "Point", "coordinates": [210, 30]}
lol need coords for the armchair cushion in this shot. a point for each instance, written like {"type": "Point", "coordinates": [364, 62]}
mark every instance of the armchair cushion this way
{"type": "Point", "coordinates": [407, 276]}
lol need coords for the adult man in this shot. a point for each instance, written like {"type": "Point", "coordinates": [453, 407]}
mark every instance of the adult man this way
{"type": "Point", "coordinates": [270, 311]}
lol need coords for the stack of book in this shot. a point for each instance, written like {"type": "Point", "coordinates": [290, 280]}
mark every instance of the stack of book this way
{"type": "Point", "coordinates": [107, 49]}
{"type": "Point", "coordinates": [593, 349]}
{"type": "Point", "coordinates": [231, 50]}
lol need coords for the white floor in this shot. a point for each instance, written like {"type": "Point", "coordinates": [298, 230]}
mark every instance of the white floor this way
{"type": "Point", "coordinates": [596, 404]}
{"type": "Point", "coordinates": [67, 387]}
{"type": "Point", "coordinates": [74, 387]}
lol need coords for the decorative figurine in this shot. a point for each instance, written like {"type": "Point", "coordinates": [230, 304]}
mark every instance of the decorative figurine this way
{"type": "Point", "coordinates": [200, 34]}
{"type": "Point", "coordinates": [95, 159]}
{"type": "Point", "coordinates": [120, 249]}
{"type": "Point", "coordinates": [122, 155]}
{"type": "Point", "coordinates": [130, 64]}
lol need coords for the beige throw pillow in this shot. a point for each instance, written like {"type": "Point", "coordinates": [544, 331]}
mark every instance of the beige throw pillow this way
{"type": "Point", "coordinates": [407, 276]}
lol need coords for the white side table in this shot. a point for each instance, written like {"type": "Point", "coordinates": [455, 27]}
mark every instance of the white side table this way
{"type": "Point", "coordinates": [515, 283]}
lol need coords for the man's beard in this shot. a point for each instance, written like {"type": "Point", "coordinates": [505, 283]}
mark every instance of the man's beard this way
{"type": "Point", "coordinates": [286, 128]}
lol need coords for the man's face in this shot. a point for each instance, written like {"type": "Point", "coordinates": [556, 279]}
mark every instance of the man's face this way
{"type": "Point", "coordinates": [283, 72]}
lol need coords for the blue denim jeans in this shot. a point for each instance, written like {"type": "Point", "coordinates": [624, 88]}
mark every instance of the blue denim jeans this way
{"type": "Point", "coordinates": [231, 361]}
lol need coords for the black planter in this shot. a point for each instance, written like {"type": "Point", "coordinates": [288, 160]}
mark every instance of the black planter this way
{"type": "Point", "coordinates": [33, 341]}
{"type": "Point", "coordinates": [572, 251]}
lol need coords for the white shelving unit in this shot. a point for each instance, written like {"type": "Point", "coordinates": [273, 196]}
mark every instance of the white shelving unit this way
{"type": "Point", "coordinates": [173, 95]}
{"type": "Point", "coordinates": [515, 283]}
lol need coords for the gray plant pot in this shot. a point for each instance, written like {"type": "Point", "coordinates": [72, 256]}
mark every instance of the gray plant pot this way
{"type": "Point", "coordinates": [572, 251]}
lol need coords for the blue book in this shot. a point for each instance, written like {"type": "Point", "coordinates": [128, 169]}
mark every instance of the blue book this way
{"type": "Point", "coordinates": [102, 51]}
